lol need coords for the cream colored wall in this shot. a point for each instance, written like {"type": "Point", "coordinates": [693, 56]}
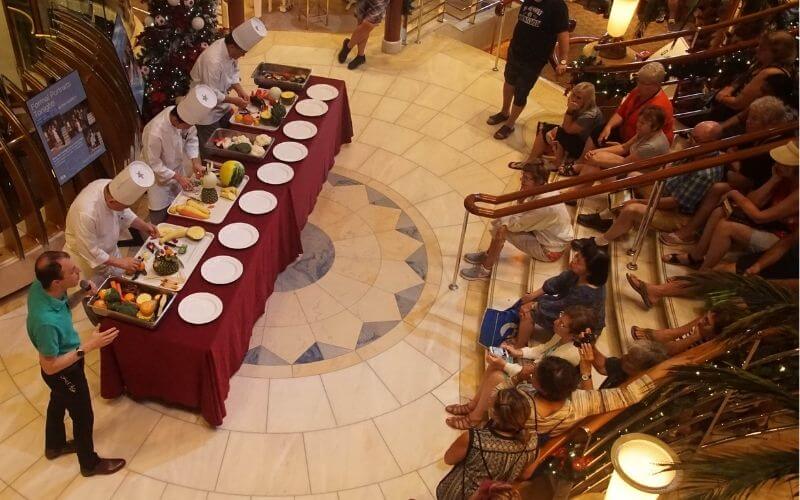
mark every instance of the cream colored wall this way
{"type": "Point", "coordinates": [8, 63]}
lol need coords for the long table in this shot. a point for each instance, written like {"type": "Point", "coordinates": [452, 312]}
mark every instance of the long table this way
{"type": "Point", "coordinates": [191, 366]}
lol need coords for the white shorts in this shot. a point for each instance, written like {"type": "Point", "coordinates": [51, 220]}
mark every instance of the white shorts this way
{"type": "Point", "coordinates": [761, 241]}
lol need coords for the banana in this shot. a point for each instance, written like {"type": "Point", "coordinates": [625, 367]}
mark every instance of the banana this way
{"type": "Point", "coordinates": [172, 234]}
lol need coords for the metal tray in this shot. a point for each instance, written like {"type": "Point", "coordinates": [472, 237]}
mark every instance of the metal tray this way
{"type": "Point", "coordinates": [268, 128]}
{"type": "Point", "coordinates": [151, 325]}
{"type": "Point", "coordinates": [219, 210]}
{"type": "Point", "coordinates": [265, 82]}
{"type": "Point", "coordinates": [222, 133]}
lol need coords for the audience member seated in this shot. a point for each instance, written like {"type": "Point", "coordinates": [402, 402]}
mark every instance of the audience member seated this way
{"type": "Point", "coordinates": [648, 142]}
{"type": "Point", "coordinates": [499, 451]}
{"type": "Point", "coordinates": [780, 86]}
{"type": "Point", "coordinates": [621, 127]}
{"type": "Point", "coordinates": [571, 324]}
{"type": "Point", "coordinates": [779, 262]}
{"type": "Point", "coordinates": [764, 113]}
{"type": "Point", "coordinates": [641, 356]}
{"type": "Point", "coordinates": [544, 233]}
{"type": "Point", "coordinates": [679, 199]}
{"type": "Point", "coordinates": [496, 490]}
{"type": "Point", "coordinates": [776, 54]}
{"type": "Point", "coordinates": [756, 221]}
{"type": "Point", "coordinates": [583, 283]}
{"type": "Point", "coordinates": [676, 340]}
{"type": "Point", "coordinates": [568, 140]}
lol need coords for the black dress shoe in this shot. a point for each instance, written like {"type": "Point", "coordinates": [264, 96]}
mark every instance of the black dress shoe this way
{"type": "Point", "coordinates": [342, 56]}
{"type": "Point", "coordinates": [356, 62]}
{"type": "Point", "coordinates": [54, 453]}
{"type": "Point", "coordinates": [104, 467]}
{"type": "Point", "coordinates": [594, 221]}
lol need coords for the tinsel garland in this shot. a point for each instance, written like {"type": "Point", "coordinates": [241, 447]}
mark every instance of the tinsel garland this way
{"type": "Point", "coordinates": [169, 45]}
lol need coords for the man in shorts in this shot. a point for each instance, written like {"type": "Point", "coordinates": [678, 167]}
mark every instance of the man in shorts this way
{"type": "Point", "coordinates": [540, 24]}
{"type": "Point", "coordinates": [543, 233]}
{"type": "Point", "coordinates": [369, 14]}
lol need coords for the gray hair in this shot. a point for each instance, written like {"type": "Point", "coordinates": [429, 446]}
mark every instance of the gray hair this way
{"type": "Point", "coordinates": [768, 111]}
{"type": "Point", "coordinates": [652, 72]}
{"type": "Point", "coordinates": [644, 354]}
{"type": "Point", "coordinates": [585, 90]}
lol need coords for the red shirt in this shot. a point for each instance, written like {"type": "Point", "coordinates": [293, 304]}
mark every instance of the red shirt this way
{"type": "Point", "coordinates": [632, 105]}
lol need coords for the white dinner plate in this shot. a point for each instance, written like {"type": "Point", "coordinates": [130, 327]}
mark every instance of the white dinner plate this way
{"type": "Point", "coordinates": [290, 151]}
{"type": "Point", "coordinates": [275, 173]}
{"type": "Point", "coordinates": [300, 130]}
{"type": "Point", "coordinates": [323, 92]}
{"type": "Point", "coordinates": [311, 107]}
{"type": "Point", "coordinates": [258, 202]}
{"type": "Point", "coordinates": [200, 308]}
{"type": "Point", "coordinates": [238, 235]}
{"type": "Point", "coordinates": [222, 269]}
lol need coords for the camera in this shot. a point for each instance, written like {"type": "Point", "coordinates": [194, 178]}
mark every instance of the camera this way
{"type": "Point", "coordinates": [584, 338]}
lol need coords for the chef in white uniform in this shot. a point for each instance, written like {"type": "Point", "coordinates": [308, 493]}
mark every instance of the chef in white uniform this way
{"type": "Point", "coordinates": [217, 68]}
{"type": "Point", "coordinates": [167, 141]}
{"type": "Point", "coordinates": [99, 214]}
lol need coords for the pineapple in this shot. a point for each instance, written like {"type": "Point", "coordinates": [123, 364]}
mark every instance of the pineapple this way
{"type": "Point", "coordinates": [209, 192]}
{"type": "Point", "coordinates": [164, 265]}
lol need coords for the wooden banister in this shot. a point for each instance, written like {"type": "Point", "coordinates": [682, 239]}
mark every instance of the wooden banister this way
{"type": "Point", "coordinates": [701, 29]}
{"type": "Point", "coordinates": [785, 131]}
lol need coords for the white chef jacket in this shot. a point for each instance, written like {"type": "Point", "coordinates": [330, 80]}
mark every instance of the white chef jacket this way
{"type": "Point", "coordinates": [219, 71]}
{"type": "Point", "coordinates": [93, 230]}
{"type": "Point", "coordinates": [163, 148]}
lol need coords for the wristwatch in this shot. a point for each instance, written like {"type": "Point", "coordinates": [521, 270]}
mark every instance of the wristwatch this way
{"type": "Point", "coordinates": [80, 352]}
{"type": "Point", "coordinates": [585, 376]}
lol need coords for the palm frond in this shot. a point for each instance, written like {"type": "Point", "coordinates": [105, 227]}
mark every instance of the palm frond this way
{"type": "Point", "coordinates": [728, 475]}
{"type": "Point", "coordinates": [704, 379]}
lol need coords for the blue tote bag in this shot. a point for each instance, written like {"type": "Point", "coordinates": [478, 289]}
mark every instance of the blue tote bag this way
{"type": "Point", "coordinates": [498, 326]}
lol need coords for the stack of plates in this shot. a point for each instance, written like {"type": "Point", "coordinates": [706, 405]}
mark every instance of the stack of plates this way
{"type": "Point", "coordinates": [238, 235]}
{"type": "Point", "coordinates": [311, 107]}
{"type": "Point", "coordinates": [322, 92]}
{"type": "Point", "coordinates": [258, 202]}
{"type": "Point", "coordinates": [275, 173]}
{"type": "Point", "coordinates": [290, 151]}
{"type": "Point", "coordinates": [222, 269]}
{"type": "Point", "coordinates": [300, 130]}
{"type": "Point", "coordinates": [200, 308]}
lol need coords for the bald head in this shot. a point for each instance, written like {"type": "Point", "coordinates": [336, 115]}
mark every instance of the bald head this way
{"type": "Point", "coordinates": [707, 131]}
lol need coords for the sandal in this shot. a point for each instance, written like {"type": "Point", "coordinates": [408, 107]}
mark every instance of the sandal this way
{"type": "Point", "coordinates": [458, 410]}
{"type": "Point", "coordinates": [496, 119]}
{"type": "Point", "coordinates": [672, 240]}
{"type": "Point", "coordinates": [675, 259]}
{"type": "Point", "coordinates": [641, 288]}
{"type": "Point", "coordinates": [641, 333]}
{"type": "Point", "coordinates": [517, 165]}
{"type": "Point", "coordinates": [504, 132]}
{"type": "Point", "coordinates": [462, 423]}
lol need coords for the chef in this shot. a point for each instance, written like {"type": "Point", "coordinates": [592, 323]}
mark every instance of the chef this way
{"type": "Point", "coordinates": [169, 139]}
{"type": "Point", "coordinates": [97, 217]}
{"type": "Point", "coordinates": [217, 68]}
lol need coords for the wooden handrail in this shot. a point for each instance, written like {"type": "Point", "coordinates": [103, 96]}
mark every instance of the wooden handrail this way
{"type": "Point", "coordinates": [701, 29]}
{"type": "Point", "coordinates": [470, 202]}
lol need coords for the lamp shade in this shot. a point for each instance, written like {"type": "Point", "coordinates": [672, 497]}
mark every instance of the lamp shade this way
{"type": "Point", "coordinates": [638, 468]}
{"type": "Point", "coordinates": [620, 17]}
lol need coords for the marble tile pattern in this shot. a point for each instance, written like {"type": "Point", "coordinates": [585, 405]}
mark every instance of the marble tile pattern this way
{"type": "Point", "coordinates": [342, 392]}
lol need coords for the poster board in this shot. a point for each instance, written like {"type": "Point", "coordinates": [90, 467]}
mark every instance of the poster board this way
{"type": "Point", "coordinates": [66, 126]}
{"type": "Point", "coordinates": [122, 46]}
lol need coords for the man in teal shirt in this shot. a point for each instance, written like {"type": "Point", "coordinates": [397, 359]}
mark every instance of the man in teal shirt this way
{"type": "Point", "coordinates": [61, 358]}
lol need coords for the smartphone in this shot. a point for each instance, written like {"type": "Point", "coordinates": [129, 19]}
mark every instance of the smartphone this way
{"type": "Point", "coordinates": [499, 352]}
{"type": "Point", "coordinates": [727, 206]}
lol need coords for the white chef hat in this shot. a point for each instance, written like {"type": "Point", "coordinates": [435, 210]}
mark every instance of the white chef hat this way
{"type": "Point", "coordinates": [130, 184]}
{"type": "Point", "coordinates": [249, 33]}
{"type": "Point", "coordinates": [197, 104]}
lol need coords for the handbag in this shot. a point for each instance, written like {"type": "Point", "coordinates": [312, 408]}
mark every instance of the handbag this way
{"type": "Point", "coordinates": [498, 326]}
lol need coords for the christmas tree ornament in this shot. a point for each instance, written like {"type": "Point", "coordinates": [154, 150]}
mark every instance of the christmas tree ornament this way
{"type": "Point", "coordinates": [198, 23]}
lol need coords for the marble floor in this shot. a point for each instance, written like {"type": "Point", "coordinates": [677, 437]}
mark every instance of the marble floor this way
{"type": "Point", "coordinates": [342, 393]}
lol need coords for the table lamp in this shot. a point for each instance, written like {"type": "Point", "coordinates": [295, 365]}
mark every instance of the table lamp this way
{"type": "Point", "coordinates": [618, 21]}
{"type": "Point", "coordinates": [639, 461]}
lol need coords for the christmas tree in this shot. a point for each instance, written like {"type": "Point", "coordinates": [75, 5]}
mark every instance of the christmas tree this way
{"type": "Point", "coordinates": [175, 33]}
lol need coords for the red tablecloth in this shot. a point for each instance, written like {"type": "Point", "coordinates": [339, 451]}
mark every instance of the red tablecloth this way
{"type": "Point", "coordinates": [190, 365]}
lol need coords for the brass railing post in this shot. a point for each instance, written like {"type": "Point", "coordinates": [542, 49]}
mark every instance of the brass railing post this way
{"type": "Point", "coordinates": [419, 19]}
{"type": "Point", "coordinates": [454, 282]}
{"type": "Point", "coordinates": [652, 203]}
{"type": "Point", "coordinates": [499, 38]}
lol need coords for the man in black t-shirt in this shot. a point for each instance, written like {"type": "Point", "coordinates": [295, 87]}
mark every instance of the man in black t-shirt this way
{"type": "Point", "coordinates": [540, 24]}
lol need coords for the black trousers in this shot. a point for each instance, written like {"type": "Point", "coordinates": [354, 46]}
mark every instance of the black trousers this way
{"type": "Point", "coordinates": [69, 391]}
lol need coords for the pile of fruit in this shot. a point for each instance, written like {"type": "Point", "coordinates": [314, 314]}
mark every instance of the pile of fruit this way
{"type": "Point", "coordinates": [193, 208]}
{"type": "Point", "coordinates": [242, 144]}
{"type": "Point", "coordinates": [282, 76]}
{"type": "Point", "coordinates": [127, 299]}
{"type": "Point", "coordinates": [267, 108]}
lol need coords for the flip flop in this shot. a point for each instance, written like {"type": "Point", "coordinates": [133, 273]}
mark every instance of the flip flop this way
{"type": "Point", "coordinates": [675, 259]}
{"type": "Point", "coordinates": [517, 165]}
{"type": "Point", "coordinates": [672, 240]}
{"type": "Point", "coordinates": [503, 132]}
{"type": "Point", "coordinates": [458, 410]}
{"type": "Point", "coordinates": [647, 333]}
{"type": "Point", "coordinates": [496, 119]}
{"type": "Point", "coordinates": [462, 423]}
{"type": "Point", "coordinates": [641, 288]}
